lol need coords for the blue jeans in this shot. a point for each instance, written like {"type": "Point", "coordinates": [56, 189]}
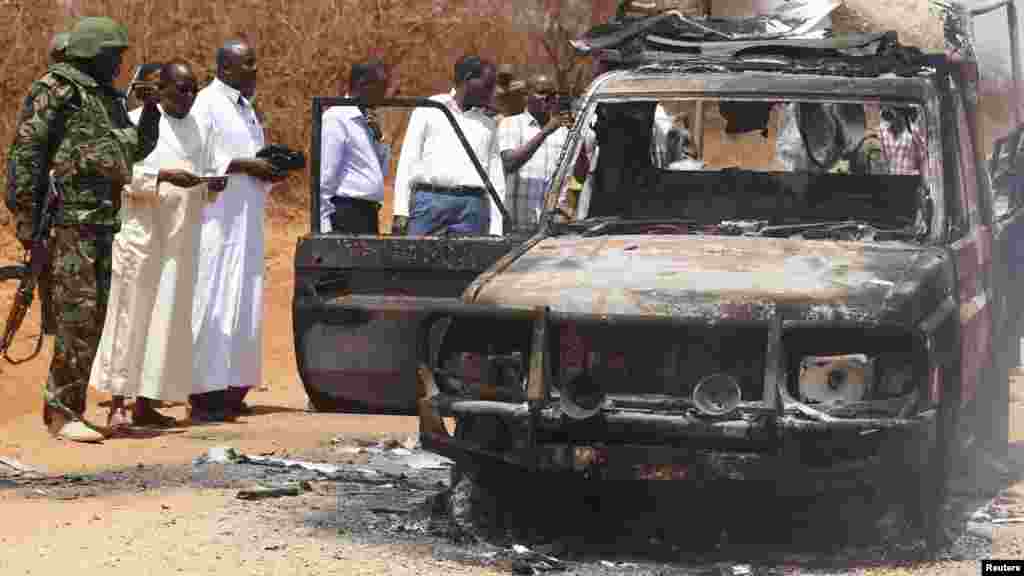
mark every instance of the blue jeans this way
{"type": "Point", "coordinates": [435, 214]}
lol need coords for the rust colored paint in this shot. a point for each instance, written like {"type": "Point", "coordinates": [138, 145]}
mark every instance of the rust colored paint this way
{"type": "Point", "coordinates": [634, 85]}
{"type": "Point", "coordinates": [707, 277]}
{"type": "Point", "coordinates": [662, 471]}
{"type": "Point", "coordinates": [669, 84]}
{"type": "Point", "coordinates": [602, 11]}
{"type": "Point", "coordinates": [968, 177]}
{"type": "Point", "coordinates": [974, 259]}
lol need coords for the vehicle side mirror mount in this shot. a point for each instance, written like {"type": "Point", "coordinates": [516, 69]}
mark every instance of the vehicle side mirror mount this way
{"type": "Point", "coordinates": [925, 213]}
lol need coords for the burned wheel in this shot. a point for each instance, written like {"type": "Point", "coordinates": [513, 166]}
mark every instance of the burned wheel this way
{"type": "Point", "coordinates": [924, 475]}
{"type": "Point", "coordinates": [903, 482]}
{"type": "Point", "coordinates": [476, 495]}
{"type": "Point", "coordinates": [912, 477]}
{"type": "Point", "coordinates": [473, 502]}
{"type": "Point", "coordinates": [469, 503]}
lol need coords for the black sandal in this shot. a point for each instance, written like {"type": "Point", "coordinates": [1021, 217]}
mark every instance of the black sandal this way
{"type": "Point", "coordinates": [153, 419]}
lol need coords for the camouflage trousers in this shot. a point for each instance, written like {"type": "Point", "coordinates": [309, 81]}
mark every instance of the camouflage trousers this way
{"type": "Point", "coordinates": [80, 289]}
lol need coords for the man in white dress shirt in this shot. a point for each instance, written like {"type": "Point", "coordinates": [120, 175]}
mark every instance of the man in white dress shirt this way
{"type": "Point", "coordinates": [228, 310]}
{"type": "Point", "coordinates": [147, 334]}
{"type": "Point", "coordinates": [530, 144]}
{"type": "Point", "coordinates": [437, 189]}
{"type": "Point", "coordinates": [353, 158]}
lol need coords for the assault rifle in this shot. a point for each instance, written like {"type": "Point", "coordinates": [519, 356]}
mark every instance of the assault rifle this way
{"type": "Point", "coordinates": [35, 271]}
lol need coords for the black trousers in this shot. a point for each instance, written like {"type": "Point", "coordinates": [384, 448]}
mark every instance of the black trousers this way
{"type": "Point", "coordinates": [354, 216]}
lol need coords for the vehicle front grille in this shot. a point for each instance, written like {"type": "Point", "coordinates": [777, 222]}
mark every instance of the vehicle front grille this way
{"type": "Point", "coordinates": [662, 360]}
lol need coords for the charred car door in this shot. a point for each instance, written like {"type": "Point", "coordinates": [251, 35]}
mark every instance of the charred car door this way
{"type": "Point", "coordinates": [364, 362]}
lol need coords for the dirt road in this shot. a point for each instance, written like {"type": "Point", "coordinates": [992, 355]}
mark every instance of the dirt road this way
{"type": "Point", "coordinates": [141, 506]}
{"type": "Point", "coordinates": [281, 422]}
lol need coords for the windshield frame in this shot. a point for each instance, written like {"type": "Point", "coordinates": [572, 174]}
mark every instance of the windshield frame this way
{"type": "Point", "coordinates": [923, 96]}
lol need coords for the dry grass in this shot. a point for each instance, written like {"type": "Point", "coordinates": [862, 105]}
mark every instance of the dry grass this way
{"type": "Point", "coordinates": [304, 49]}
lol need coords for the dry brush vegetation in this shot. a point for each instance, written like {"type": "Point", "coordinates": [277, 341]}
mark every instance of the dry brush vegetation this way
{"type": "Point", "coordinates": [305, 48]}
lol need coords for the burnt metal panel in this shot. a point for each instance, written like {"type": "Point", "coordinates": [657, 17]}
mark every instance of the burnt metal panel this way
{"type": "Point", "coordinates": [761, 85]}
{"type": "Point", "coordinates": [395, 252]}
{"type": "Point", "coordinates": [695, 279]}
{"type": "Point", "coordinates": [774, 367]}
{"type": "Point", "coordinates": [662, 427]}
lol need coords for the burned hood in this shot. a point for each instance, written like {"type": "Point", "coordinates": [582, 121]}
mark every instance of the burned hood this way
{"type": "Point", "coordinates": [715, 277]}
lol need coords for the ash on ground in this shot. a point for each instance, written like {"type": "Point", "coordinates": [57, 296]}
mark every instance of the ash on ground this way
{"type": "Point", "coordinates": [383, 493]}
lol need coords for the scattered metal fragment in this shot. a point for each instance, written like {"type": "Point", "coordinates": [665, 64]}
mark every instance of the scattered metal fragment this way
{"type": "Point", "coordinates": [427, 461]}
{"type": "Point", "coordinates": [259, 493]}
{"type": "Point", "coordinates": [981, 530]}
{"type": "Point", "coordinates": [318, 467]}
{"type": "Point", "coordinates": [19, 467]}
{"type": "Point", "coordinates": [1017, 520]}
{"type": "Point", "coordinates": [219, 455]}
{"type": "Point", "coordinates": [527, 561]}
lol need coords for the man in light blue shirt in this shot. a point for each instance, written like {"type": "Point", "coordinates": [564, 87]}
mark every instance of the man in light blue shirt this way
{"type": "Point", "coordinates": [353, 158]}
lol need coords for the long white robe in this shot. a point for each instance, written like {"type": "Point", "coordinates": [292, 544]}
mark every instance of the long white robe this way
{"type": "Point", "coordinates": [228, 310]}
{"type": "Point", "coordinates": [147, 335]}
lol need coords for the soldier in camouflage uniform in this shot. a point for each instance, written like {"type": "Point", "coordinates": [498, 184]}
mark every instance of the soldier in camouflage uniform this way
{"type": "Point", "coordinates": [58, 44]}
{"type": "Point", "coordinates": [75, 123]}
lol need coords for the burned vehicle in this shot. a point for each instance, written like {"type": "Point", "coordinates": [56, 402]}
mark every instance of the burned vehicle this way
{"type": "Point", "coordinates": [803, 287]}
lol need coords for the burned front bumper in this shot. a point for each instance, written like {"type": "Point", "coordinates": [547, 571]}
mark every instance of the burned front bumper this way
{"type": "Point", "coordinates": [624, 439]}
{"type": "Point", "coordinates": [625, 444]}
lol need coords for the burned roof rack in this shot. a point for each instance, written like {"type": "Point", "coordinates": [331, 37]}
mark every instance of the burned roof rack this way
{"type": "Point", "coordinates": [839, 56]}
{"type": "Point", "coordinates": [674, 25]}
{"type": "Point", "coordinates": [849, 66]}
{"type": "Point", "coordinates": [672, 40]}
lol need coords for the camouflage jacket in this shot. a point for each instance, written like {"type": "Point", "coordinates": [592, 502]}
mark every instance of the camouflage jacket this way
{"type": "Point", "coordinates": [98, 141]}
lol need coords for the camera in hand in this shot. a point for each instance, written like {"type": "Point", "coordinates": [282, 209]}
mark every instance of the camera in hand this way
{"type": "Point", "coordinates": [283, 158]}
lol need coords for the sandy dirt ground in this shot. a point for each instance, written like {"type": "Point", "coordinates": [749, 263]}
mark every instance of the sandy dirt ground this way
{"type": "Point", "coordinates": [280, 423]}
{"type": "Point", "coordinates": [191, 532]}
{"type": "Point", "coordinates": [166, 527]}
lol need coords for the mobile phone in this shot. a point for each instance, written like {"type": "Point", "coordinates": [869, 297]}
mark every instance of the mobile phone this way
{"type": "Point", "coordinates": [140, 75]}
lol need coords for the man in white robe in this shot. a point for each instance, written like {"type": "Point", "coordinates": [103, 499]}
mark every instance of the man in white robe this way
{"type": "Point", "coordinates": [147, 334]}
{"type": "Point", "coordinates": [228, 308]}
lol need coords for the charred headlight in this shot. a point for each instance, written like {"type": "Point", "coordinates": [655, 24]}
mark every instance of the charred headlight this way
{"type": "Point", "coordinates": [830, 379]}
{"type": "Point", "coordinates": [838, 366]}
{"type": "Point", "coordinates": [717, 394]}
{"type": "Point", "coordinates": [854, 377]}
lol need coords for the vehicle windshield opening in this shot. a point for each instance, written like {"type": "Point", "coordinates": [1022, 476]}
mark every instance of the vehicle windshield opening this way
{"type": "Point", "coordinates": [747, 165]}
